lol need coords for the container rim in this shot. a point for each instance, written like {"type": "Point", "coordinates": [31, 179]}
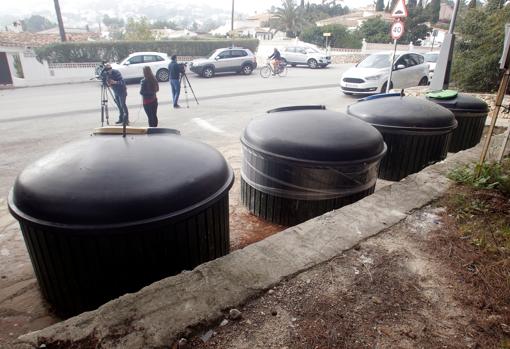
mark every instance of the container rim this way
{"type": "Point", "coordinates": [186, 212]}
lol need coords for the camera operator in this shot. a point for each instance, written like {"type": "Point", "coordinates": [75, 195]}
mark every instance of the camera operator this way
{"type": "Point", "coordinates": [174, 69]}
{"type": "Point", "coordinates": [113, 78]}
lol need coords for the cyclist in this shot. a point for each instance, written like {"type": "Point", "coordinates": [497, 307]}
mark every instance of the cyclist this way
{"type": "Point", "coordinates": [276, 56]}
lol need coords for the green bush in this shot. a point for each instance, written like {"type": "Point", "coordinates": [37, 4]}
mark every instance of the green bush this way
{"type": "Point", "coordinates": [340, 36]}
{"type": "Point", "coordinates": [78, 52]}
{"type": "Point", "coordinates": [491, 176]}
{"type": "Point", "coordinates": [478, 49]}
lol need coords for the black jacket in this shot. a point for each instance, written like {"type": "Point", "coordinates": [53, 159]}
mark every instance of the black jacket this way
{"type": "Point", "coordinates": [276, 55]}
{"type": "Point", "coordinates": [146, 90]}
{"type": "Point", "coordinates": [174, 70]}
{"type": "Point", "coordinates": [120, 86]}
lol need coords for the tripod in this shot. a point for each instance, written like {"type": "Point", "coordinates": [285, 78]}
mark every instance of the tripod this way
{"type": "Point", "coordinates": [105, 89]}
{"type": "Point", "coordinates": [185, 83]}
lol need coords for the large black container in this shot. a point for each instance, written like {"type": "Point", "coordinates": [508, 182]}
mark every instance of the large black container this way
{"type": "Point", "coordinates": [108, 215]}
{"type": "Point", "coordinates": [298, 164]}
{"type": "Point", "coordinates": [470, 113]}
{"type": "Point", "coordinates": [416, 131]}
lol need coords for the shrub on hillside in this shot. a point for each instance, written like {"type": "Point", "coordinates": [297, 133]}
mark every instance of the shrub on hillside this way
{"type": "Point", "coordinates": [340, 36]}
{"type": "Point", "coordinates": [478, 49]}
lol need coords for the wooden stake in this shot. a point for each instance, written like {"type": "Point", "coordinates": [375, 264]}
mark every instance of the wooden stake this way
{"type": "Point", "coordinates": [499, 99]}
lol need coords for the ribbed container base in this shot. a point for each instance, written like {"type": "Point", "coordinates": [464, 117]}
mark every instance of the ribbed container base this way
{"type": "Point", "coordinates": [468, 132]}
{"type": "Point", "coordinates": [289, 212]}
{"type": "Point", "coordinates": [79, 271]}
{"type": "Point", "coordinates": [408, 154]}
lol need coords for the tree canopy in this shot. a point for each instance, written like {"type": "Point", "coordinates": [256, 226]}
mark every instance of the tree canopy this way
{"type": "Point", "coordinates": [36, 23]}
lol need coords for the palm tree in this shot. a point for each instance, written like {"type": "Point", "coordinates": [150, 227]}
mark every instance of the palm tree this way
{"type": "Point", "coordinates": [290, 17]}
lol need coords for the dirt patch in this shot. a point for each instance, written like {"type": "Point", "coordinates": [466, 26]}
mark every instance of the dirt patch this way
{"type": "Point", "coordinates": [401, 289]}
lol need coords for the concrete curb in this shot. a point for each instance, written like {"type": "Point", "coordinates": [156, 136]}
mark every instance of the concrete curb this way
{"type": "Point", "coordinates": [157, 314]}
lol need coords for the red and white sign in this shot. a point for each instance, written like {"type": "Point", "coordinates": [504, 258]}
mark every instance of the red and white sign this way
{"type": "Point", "coordinates": [400, 10]}
{"type": "Point", "coordinates": [397, 30]}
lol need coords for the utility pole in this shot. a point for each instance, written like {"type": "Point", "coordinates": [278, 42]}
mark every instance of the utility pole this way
{"type": "Point", "coordinates": [232, 20]}
{"type": "Point", "coordinates": [60, 23]}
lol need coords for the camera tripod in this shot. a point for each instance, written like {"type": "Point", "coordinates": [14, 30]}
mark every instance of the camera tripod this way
{"type": "Point", "coordinates": [105, 90]}
{"type": "Point", "coordinates": [185, 83]}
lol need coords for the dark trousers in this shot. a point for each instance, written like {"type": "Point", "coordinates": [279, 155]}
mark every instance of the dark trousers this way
{"type": "Point", "coordinates": [176, 90]}
{"type": "Point", "coordinates": [151, 110]}
{"type": "Point", "coordinates": [120, 99]}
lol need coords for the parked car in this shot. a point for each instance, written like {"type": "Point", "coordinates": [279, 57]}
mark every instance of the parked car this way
{"type": "Point", "coordinates": [371, 75]}
{"type": "Point", "coordinates": [225, 60]}
{"type": "Point", "coordinates": [431, 59]}
{"type": "Point", "coordinates": [132, 66]}
{"type": "Point", "coordinates": [309, 56]}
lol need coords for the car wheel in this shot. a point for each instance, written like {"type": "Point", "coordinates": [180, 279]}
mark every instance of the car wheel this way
{"type": "Point", "coordinates": [208, 72]}
{"type": "Point", "coordinates": [424, 81]}
{"type": "Point", "coordinates": [383, 88]}
{"type": "Point", "coordinates": [292, 65]}
{"type": "Point", "coordinates": [162, 75]}
{"type": "Point", "coordinates": [247, 69]}
{"type": "Point", "coordinates": [312, 63]}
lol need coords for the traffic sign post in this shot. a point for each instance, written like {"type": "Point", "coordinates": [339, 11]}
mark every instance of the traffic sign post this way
{"type": "Point", "coordinates": [397, 30]}
{"type": "Point", "coordinates": [326, 35]}
{"type": "Point", "coordinates": [400, 10]}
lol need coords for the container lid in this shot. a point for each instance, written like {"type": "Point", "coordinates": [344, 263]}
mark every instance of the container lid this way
{"type": "Point", "coordinates": [462, 103]}
{"type": "Point", "coordinates": [111, 181]}
{"type": "Point", "coordinates": [403, 113]}
{"type": "Point", "coordinates": [315, 136]}
{"type": "Point", "coordinates": [442, 94]}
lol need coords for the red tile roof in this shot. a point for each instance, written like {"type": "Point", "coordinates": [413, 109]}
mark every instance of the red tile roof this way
{"type": "Point", "coordinates": [25, 39]}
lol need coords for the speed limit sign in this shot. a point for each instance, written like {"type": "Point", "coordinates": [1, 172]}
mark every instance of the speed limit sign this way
{"type": "Point", "coordinates": [397, 30]}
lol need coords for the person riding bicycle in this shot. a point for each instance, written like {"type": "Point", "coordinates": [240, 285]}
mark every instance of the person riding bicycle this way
{"type": "Point", "coordinates": [277, 57]}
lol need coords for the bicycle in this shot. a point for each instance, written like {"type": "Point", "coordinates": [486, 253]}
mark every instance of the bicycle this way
{"type": "Point", "coordinates": [268, 70]}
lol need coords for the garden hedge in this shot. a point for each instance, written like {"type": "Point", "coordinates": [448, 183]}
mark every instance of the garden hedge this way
{"type": "Point", "coordinates": [114, 51]}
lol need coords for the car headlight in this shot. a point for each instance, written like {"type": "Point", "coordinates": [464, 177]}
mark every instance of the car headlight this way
{"type": "Point", "coordinates": [373, 77]}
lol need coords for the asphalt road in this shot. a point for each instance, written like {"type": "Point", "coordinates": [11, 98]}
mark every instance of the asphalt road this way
{"type": "Point", "coordinates": [36, 120]}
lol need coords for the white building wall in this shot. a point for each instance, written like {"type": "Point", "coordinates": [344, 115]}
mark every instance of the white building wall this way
{"type": "Point", "coordinates": [37, 73]}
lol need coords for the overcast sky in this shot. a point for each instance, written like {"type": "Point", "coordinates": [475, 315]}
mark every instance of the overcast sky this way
{"type": "Point", "coordinates": [247, 6]}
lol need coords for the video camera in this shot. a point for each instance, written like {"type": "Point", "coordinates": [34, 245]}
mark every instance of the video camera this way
{"type": "Point", "coordinates": [182, 67]}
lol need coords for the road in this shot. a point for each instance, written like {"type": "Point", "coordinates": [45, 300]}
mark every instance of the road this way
{"type": "Point", "coordinates": [36, 120]}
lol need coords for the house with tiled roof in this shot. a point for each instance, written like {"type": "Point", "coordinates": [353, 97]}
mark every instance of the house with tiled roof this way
{"type": "Point", "coordinates": [18, 62]}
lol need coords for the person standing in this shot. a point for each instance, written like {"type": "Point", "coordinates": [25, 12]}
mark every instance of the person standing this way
{"type": "Point", "coordinates": [175, 80]}
{"type": "Point", "coordinates": [148, 88]}
{"type": "Point", "coordinates": [113, 78]}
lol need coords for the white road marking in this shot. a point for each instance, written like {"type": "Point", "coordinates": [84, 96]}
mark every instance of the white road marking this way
{"type": "Point", "coordinates": [206, 125]}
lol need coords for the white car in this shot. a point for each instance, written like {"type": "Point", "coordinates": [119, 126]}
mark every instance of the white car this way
{"type": "Point", "coordinates": [431, 59]}
{"type": "Point", "coordinates": [309, 56]}
{"type": "Point", "coordinates": [371, 75]}
{"type": "Point", "coordinates": [132, 66]}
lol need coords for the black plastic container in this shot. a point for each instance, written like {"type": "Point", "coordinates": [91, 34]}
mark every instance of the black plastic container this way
{"type": "Point", "coordinates": [470, 113]}
{"type": "Point", "coordinates": [299, 164]}
{"type": "Point", "coordinates": [416, 131]}
{"type": "Point", "coordinates": [109, 215]}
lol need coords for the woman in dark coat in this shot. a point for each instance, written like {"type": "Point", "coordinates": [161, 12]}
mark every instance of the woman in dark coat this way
{"type": "Point", "coordinates": [149, 88]}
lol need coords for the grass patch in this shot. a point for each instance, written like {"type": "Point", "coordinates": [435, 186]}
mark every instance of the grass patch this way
{"type": "Point", "coordinates": [480, 208]}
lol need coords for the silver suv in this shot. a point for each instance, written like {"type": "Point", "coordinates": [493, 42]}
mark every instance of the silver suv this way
{"type": "Point", "coordinates": [223, 60]}
{"type": "Point", "coordinates": [309, 56]}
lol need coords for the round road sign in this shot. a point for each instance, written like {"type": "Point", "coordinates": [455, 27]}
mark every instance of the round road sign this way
{"type": "Point", "coordinates": [397, 30]}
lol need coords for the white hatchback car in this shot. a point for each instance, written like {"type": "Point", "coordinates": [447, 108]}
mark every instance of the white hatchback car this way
{"type": "Point", "coordinates": [309, 56]}
{"type": "Point", "coordinates": [431, 59]}
{"type": "Point", "coordinates": [371, 75]}
{"type": "Point", "coordinates": [132, 66]}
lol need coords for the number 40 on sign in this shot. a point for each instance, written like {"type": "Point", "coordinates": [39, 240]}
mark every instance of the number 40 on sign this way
{"type": "Point", "coordinates": [397, 30]}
